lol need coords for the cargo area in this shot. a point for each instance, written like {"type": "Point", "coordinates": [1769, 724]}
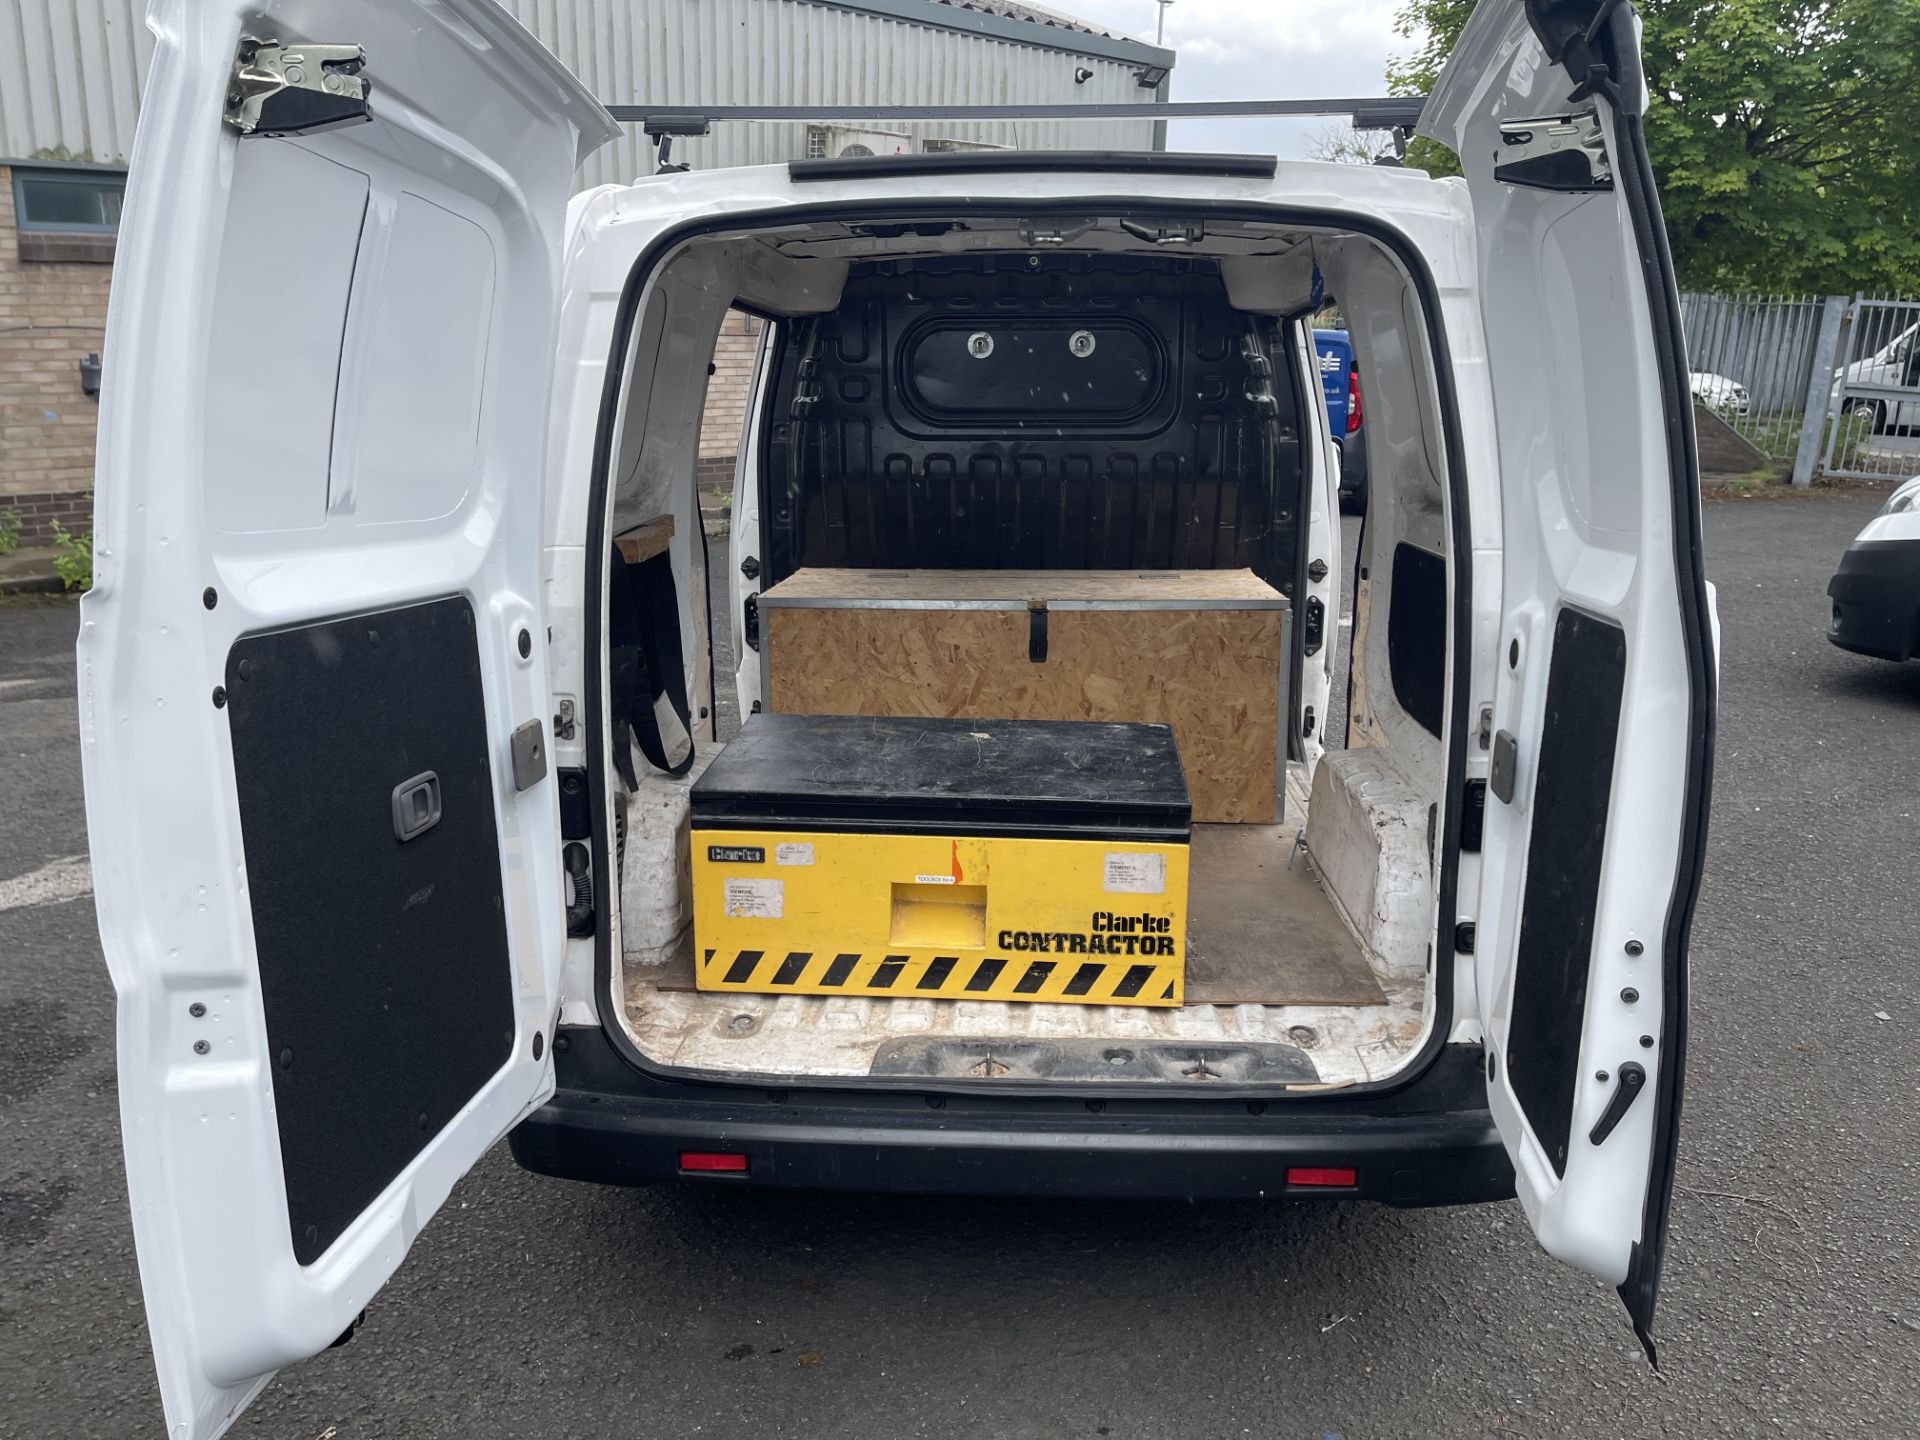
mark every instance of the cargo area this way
{"type": "Point", "coordinates": [920, 531]}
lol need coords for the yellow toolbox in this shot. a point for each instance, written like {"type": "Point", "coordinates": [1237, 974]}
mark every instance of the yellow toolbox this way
{"type": "Point", "coordinates": [943, 859]}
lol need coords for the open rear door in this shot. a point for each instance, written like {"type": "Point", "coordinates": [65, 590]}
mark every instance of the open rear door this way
{"type": "Point", "coordinates": [1602, 727]}
{"type": "Point", "coordinates": [312, 669]}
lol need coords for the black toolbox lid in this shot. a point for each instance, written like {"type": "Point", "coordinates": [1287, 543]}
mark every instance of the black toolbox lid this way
{"type": "Point", "coordinates": [1031, 777]}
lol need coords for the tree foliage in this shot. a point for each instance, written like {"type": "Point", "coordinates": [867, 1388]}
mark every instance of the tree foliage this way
{"type": "Point", "coordinates": [1348, 146]}
{"type": "Point", "coordinates": [1784, 135]}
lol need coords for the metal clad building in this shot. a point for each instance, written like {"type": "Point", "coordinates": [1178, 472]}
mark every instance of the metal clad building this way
{"type": "Point", "coordinates": [804, 52]}
{"type": "Point", "coordinates": [72, 72]}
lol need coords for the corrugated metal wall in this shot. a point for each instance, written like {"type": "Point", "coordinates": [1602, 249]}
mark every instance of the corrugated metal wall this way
{"type": "Point", "coordinates": [667, 52]}
{"type": "Point", "coordinates": [71, 72]}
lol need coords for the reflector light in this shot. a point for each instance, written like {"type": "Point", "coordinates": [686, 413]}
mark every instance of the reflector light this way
{"type": "Point", "coordinates": [1331, 1177]}
{"type": "Point", "coordinates": [709, 1160]}
{"type": "Point", "coordinates": [1353, 401]}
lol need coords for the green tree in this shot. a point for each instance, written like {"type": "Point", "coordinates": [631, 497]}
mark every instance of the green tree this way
{"type": "Point", "coordinates": [1783, 135]}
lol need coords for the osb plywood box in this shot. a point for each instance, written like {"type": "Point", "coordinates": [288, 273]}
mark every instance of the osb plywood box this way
{"type": "Point", "coordinates": [1200, 650]}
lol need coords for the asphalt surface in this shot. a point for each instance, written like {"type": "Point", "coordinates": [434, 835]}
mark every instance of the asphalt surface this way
{"type": "Point", "coordinates": [540, 1307]}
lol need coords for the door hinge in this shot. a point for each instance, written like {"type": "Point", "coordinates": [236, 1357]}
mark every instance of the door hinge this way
{"type": "Point", "coordinates": [296, 89]}
{"type": "Point", "coordinates": [750, 622]}
{"type": "Point", "coordinates": [1558, 152]}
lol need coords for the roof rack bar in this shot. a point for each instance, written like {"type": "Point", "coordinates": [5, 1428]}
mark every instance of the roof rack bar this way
{"type": "Point", "coordinates": [1368, 113]}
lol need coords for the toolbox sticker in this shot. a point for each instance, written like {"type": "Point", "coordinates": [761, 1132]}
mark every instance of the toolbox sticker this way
{"type": "Point", "coordinates": [1135, 873]}
{"type": "Point", "coordinates": [737, 854]}
{"type": "Point", "coordinates": [934, 880]}
{"type": "Point", "coordinates": [755, 899]}
{"type": "Point", "coordinates": [793, 853]}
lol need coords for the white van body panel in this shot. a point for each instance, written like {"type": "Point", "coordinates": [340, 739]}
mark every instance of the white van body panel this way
{"type": "Point", "coordinates": [264, 462]}
{"type": "Point", "coordinates": [1593, 516]}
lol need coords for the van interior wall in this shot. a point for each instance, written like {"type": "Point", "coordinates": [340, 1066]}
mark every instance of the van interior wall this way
{"type": "Point", "coordinates": [1375, 804]}
{"type": "Point", "coordinates": [1169, 444]}
{"type": "Point", "coordinates": [654, 469]}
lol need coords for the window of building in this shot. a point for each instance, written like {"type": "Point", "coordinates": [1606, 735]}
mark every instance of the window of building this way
{"type": "Point", "coordinates": [71, 202]}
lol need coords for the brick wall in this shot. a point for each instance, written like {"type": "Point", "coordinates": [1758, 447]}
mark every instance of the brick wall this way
{"type": "Point", "coordinates": [52, 313]}
{"type": "Point", "coordinates": [727, 390]}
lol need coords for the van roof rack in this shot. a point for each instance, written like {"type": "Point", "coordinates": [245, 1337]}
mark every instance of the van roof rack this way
{"type": "Point", "coordinates": [1391, 112]}
{"type": "Point", "coordinates": [1397, 114]}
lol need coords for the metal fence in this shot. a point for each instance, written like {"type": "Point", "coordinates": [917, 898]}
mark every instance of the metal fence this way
{"type": "Point", "coordinates": [1828, 383]}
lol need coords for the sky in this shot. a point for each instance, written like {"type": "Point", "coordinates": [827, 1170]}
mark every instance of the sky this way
{"type": "Point", "coordinates": [1259, 50]}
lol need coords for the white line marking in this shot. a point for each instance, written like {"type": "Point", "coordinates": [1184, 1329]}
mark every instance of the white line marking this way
{"type": "Point", "coordinates": [52, 884]}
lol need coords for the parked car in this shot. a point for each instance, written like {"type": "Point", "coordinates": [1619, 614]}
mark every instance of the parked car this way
{"type": "Point", "coordinates": [1876, 590]}
{"type": "Point", "coordinates": [1340, 383]}
{"type": "Point", "coordinates": [382, 877]}
{"type": "Point", "coordinates": [1895, 365]}
{"type": "Point", "coordinates": [1725, 396]}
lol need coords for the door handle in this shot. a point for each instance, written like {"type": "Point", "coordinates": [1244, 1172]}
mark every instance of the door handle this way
{"type": "Point", "coordinates": [416, 806]}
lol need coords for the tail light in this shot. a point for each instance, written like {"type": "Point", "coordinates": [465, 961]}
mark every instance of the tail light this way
{"type": "Point", "coordinates": [1353, 401]}
{"type": "Point", "coordinates": [1326, 1177]}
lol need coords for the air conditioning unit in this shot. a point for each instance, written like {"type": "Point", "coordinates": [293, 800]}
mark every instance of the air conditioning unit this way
{"type": "Point", "coordinates": [948, 146]}
{"type": "Point", "coordinates": [826, 142]}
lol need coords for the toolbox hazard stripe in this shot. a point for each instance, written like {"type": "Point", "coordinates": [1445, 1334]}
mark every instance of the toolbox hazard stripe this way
{"type": "Point", "coordinates": [839, 970]}
{"type": "Point", "coordinates": [1084, 978]}
{"type": "Point", "coordinates": [791, 968]}
{"type": "Point", "coordinates": [743, 965]}
{"type": "Point", "coordinates": [1035, 977]}
{"type": "Point", "coordinates": [991, 977]}
{"type": "Point", "coordinates": [988, 972]}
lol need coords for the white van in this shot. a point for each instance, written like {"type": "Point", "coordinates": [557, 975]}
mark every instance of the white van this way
{"type": "Point", "coordinates": [375, 886]}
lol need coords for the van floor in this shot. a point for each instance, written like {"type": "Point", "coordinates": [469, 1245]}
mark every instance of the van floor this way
{"type": "Point", "coordinates": [1278, 989]}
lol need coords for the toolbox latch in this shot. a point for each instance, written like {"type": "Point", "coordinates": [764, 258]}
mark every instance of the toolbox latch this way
{"type": "Point", "coordinates": [1036, 631]}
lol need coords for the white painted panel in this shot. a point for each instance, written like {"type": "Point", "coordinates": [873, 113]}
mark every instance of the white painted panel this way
{"type": "Point", "coordinates": [286, 265]}
{"type": "Point", "coordinates": [412, 455]}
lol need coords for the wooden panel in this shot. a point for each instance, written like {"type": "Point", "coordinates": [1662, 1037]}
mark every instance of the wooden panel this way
{"type": "Point", "coordinates": [1109, 586]}
{"type": "Point", "coordinates": [1213, 675]}
{"type": "Point", "coordinates": [645, 540]}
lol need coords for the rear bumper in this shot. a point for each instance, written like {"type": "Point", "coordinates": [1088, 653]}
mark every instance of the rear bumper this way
{"type": "Point", "coordinates": [1431, 1143]}
{"type": "Point", "coordinates": [1876, 599]}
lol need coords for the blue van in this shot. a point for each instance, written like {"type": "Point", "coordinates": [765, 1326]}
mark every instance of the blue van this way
{"type": "Point", "coordinates": [1340, 383]}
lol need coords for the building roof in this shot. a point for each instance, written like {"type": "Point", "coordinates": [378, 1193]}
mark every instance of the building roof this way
{"type": "Point", "coordinates": [1008, 10]}
{"type": "Point", "coordinates": [1017, 21]}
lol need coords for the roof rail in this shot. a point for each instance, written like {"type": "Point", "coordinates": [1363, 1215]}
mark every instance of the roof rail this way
{"type": "Point", "coordinates": [1395, 113]}
{"type": "Point", "coordinates": [1368, 113]}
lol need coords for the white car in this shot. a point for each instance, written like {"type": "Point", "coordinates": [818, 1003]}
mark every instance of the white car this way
{"type": "Point", "coordinates": [1725, 396]}
{"type": "Point", "coordinates": [1876, 590]}
{"type": "Point", "coordinates": [1895, 370]}
{"type": "Point", "coordinates": [358, 683]}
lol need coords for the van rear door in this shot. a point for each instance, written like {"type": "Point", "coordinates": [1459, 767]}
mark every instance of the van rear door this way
{"type": "Point", "coordinates": [313, 690]}
{"type": "Point", "coordinates": [1602, 728]}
